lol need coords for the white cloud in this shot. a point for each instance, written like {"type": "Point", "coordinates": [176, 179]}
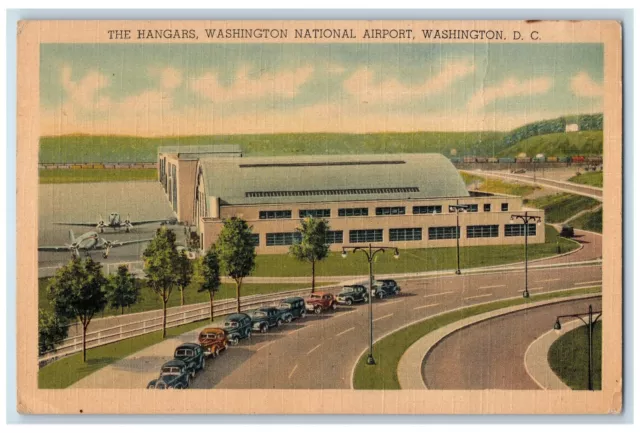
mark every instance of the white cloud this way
{"type": "Point", "coordinates": [583, 85]}
{"type": "Point", "coordinates": [363, 86]}
{"type": "Point", "coordinates": [170, 78]}
{"type": "Point", "coordinates": [509, 88]}
{"type": "Point", "coordinates": [251, 86]}
{"type": "Point", "coordinates": [85, 92]}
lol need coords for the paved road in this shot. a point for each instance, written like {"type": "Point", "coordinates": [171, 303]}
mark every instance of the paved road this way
{"type": "Point", "coordinates": [320, 352]}
{"type": "Point", "coordinates": [490, 354]}
{"type": "Point", "coordinates": [573, 188]}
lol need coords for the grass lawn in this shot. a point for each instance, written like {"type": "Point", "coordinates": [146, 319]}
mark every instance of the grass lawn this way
{"type": "Point", "coordinates": [591, 221]}
{"type": "Point", "coordinates": [413, 260]}
{"type": "Point", "coordinates": [97, 175]}
{"type": "Point", "coordinates": [560, 207]}
{"type": "Point", "coordinates": [496, 186]}
{"type": "Point", "coordinates": [568, 357]}
{"type": "Point", "coordinates": [592, 178]}
{"type": "Point", "coordinates": [389, 350]}
{"type": "Point", "coordinates": [70, 369]}
{"type": "Point", "coordinates": [150, 301]}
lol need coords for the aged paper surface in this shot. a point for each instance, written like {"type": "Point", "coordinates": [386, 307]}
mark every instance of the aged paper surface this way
{"type": "Point", "coordinates": [450, 190]}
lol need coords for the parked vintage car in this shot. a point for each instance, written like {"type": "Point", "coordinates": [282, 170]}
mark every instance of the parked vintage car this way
{"type": "Point", "coordinates": [567, 231]}
{"type": "Point", "coordinates": [382, 288]}
{"type": "Point", "coordinates": [319, 302]}
{"type": "Point", "coordinates": [294, 306]}
{"type": "Point", "coordinates": [238, 327]}
{"type": "Point", "coordinates": [264, 318]}
{"type": "Point", "coordinates": [213, 341]}
{"type": "Point", "coordinates": [192, 355]}
{"type": "Point", "coordinates": [174, 374]}
{"type": "Point", "coordinates": [353, 293]}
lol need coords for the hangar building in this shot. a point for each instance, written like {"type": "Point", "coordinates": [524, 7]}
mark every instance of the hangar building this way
{"type": "Point", "coordinates": [397, 199]}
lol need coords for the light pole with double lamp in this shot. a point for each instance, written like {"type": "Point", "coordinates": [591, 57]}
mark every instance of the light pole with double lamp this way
{"type": "Point", "coordinates": [370, 251]}
{"type": "Point", "coordinates": [590, 324]}
{"type": "Point", "coordinates": [457, 208]}
{"type": "Point", "coordinates": [526, 220]}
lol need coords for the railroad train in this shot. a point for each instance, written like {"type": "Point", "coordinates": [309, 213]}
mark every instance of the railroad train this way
{"type": "Point", "coordinates": [578, 159]}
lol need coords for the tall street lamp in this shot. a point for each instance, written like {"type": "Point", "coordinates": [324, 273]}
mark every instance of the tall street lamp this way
{"type": "Point", "coordinates": [457, 208]}
{"type": "Point", "coordinates": [590, 325]}
{"type": "Point", "coordinates": [370, 252]}
{"type": "Point", "coordinates": [526, 220]}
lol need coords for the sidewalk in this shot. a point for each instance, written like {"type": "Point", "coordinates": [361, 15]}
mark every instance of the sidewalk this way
{"type": "Point", "coordinates": [536, 360]}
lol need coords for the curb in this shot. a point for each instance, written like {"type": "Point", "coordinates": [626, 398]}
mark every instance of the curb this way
{"type": "Point", "coordinates": [536, 362]}
{"type": "Point", "coordinates": [410, 365]}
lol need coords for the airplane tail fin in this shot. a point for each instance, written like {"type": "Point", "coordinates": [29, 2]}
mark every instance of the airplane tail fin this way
{"type": "Point", "coordinates": [72, 237]}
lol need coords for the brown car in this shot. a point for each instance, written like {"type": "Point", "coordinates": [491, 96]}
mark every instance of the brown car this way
{"type": "Point", "coordinates": [213, 341]}
{"type": "Point", "coordinates": [319, 302]}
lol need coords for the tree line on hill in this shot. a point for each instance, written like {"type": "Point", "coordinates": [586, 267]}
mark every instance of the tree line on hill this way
{"type": "Point", "coordinates": [585, 122]}
{"type": "Point", "coordinates": [79, 290]}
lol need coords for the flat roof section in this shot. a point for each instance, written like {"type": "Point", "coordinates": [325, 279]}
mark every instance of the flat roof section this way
{"type": "Point", "coordinates": [192, 151]}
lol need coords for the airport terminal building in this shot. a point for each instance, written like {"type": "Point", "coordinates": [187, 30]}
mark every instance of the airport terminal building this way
{"type": "Point", "coordinates": [400, 200]}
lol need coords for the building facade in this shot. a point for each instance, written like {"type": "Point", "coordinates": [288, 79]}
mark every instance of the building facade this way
{"type": "Point", "coordinates": [400, 200]}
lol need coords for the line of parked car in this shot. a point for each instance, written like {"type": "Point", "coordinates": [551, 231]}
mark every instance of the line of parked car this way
{"type": "Point", "coordinates": [190, 358]}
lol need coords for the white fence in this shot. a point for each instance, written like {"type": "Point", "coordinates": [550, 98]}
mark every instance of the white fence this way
{"type": "Point", "coordinates": [151, 321]}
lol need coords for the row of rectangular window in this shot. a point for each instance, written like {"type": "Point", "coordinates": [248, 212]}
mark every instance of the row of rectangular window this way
{"type": "Point", "coordinates": [403, 234]}
{"type": "Point", "coordinates": [363, 211]}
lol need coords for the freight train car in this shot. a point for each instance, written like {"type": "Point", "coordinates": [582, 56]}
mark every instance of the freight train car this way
{"type": "Point", "coordinates": [523, 159]}
{"type": "Point", "coordinates": [455, 159]}
{"type": "Point", "coordinates": [492, 159]}
{"type": "Point", "coordinates": [577, 159]}
{"type": "Point", "coordinates": [552, 159]}
{"type": "Point", "coordinates": [469, 159]}
{"type": "Point", "coordinates": [507, 160]}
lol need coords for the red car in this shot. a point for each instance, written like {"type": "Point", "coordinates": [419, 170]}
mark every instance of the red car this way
{"type": "Point", "coordinates": [319, 302]}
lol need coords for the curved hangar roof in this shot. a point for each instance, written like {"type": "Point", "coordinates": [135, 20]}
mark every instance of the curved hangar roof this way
{"type": "Point", "coordinates": [253, 180]}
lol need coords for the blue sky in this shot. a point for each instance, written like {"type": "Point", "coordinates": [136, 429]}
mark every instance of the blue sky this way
{"type": "Point", "coordinates": [182, 89]}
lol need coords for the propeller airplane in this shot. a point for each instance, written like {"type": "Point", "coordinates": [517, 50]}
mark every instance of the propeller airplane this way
{"type": "Point", "coordinates": [88, 242]}
{"type": "Point", "coordinates": [115, 222]}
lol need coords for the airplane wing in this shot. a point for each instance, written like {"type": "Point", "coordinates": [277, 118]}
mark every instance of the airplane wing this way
{"type": "Point", "coordinates": [53, 248]}
{"type": "Point", "coordinates": [115, 244]}
{"type": "Point", "coordinates": [77, 224]}
{"type": "Point", "coordinates": [137, 223]}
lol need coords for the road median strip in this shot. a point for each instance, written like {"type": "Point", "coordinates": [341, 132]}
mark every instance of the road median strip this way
{"type": "Point", "coordinates": [389, 348]}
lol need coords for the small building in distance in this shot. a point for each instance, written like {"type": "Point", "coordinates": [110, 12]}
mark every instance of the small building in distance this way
{"type": "Point", "coordinates": [571, 127]}
{"type": "Point", "coordinates": [397, 199]}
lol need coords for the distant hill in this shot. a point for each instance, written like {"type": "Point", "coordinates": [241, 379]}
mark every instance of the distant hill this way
{"type": "Point", "coordinates": [584, 122]}
{"type": "Point", "coordinates": [559, 144]}
{"type": "Point", "coordinates": [95, 148]}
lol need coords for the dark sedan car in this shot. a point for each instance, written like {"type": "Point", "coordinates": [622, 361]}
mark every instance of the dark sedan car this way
{"type": "Point", "coordinates": [354, 293]}
{"type": "Point", "coordinates": [264, 318]}
{"type": "Point", "coordinates": [192, 355]}
{"type": "Point", "coordinates": [294, 306]}
{"type": "Point", "coordinates": [237, 326]}
{"type": "Point", "coordinates": [383, 288]}
{"type": "Point", "coordinates": [173, 375]}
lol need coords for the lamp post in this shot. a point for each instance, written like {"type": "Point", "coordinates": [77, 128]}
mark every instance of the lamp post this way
{"type": "Point", "coordinates": [526, 220]}
{"type": "Point", "coordinates": [457, 208]}
{"type": "Point", "coordinates": [590, 325]}
{"type": "Point", "coordinates": [370, 251]}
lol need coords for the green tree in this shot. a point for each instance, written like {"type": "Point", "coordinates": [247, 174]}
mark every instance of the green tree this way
{"type": "Point", "coordinates": [78, 292]}
{"type": "Point", "coordinates": [52, 329]}
{"type": "Point", "coordinates": [236, 252]}
{"type": "Point", "coordinates": [184, 270]}
{"type": "Point", "coordinates": [313, 246]}
{"type": "Point", "coordinates": [210, 276]}
{"type": "Point", "coordinates": [160, 259]}
{"type": "Point", "coordinates": [122, 289]}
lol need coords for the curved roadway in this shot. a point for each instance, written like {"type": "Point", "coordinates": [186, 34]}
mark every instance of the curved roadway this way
{"type": "Point", "coordinates": [490, 354]}
{"type": "Point", "coordinates": [319, 352]}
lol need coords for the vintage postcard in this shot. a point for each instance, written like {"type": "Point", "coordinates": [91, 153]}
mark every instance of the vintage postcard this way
{"type": "Point", "coordinates": [319, 217]}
